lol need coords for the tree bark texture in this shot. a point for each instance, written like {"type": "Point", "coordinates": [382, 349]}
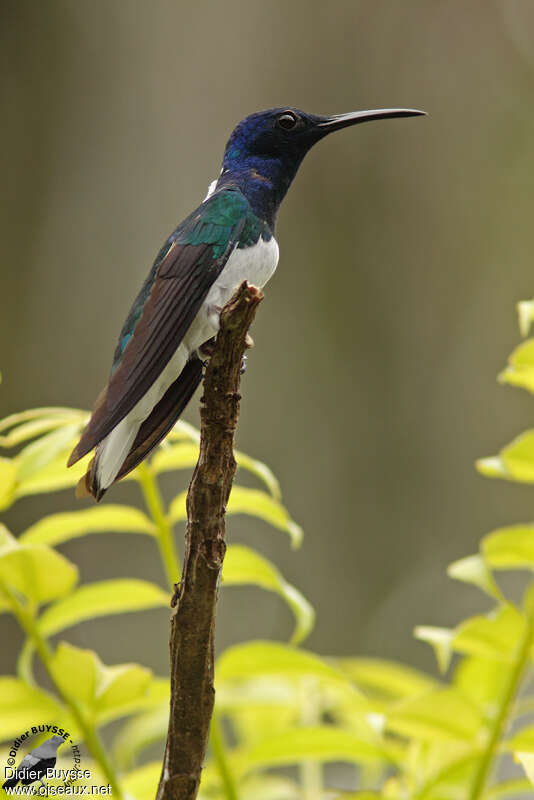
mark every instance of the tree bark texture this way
{"type": "Point", "coordinates": [193, 619]}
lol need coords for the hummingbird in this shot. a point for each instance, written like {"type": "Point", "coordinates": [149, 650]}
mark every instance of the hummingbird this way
{"type": "Point", "coordinates": [166, 338]}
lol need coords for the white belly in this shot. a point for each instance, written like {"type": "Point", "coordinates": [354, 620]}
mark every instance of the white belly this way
{"type": "Point", "coordinates": [255, 264]}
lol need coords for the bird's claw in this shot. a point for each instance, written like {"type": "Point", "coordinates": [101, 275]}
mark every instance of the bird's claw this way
{"type": "Point", "coordinates": [205, 351]}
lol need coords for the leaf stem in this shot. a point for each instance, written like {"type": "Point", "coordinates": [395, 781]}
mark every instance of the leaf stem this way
{"type": "Point", "coordinates": [154, 504]}
{"type": "Point", "coordinates": [89, 732]}
{"type": "Point", "coordinates": [503, 711]}
{"type": "Point", "coordinates": [311, 772]}
{"type": "Point", "coordinates": [219, 754]}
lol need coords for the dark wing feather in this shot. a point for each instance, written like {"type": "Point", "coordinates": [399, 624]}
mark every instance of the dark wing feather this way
{"type": "Point", "coordinates": [174, 301]}
{"type": "Point", "coordinates": [181, 278]}
{"type": "Point", "coordinates": [164, 415]}
{"type": "Point", "coordinates": [153, 429]}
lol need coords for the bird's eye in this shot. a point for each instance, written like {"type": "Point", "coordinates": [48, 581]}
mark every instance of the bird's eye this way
{"type": "Point", "coordinates": [287, 121]}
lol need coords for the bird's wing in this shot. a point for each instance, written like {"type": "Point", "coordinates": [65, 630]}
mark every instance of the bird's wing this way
{"type": "Point", "coordinates": [163, 415]}
{"type": "Point", "coordinates": [182, 275]}
{"type": "Point", "coordinates": [29, 761]}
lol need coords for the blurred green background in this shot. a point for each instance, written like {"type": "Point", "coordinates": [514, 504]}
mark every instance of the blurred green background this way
{"type": "Point", "coordinates": [404, 247]}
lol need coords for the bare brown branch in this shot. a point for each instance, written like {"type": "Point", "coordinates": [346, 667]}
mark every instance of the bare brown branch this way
{"type": "Point", "coordinates": [193, 621]}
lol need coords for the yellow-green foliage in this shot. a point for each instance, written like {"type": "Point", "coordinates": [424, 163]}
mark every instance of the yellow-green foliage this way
{"type": "Point", "coordinates": [408, 735]}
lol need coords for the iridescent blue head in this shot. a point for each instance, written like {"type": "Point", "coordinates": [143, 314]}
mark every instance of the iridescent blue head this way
{"type": "Point", "coordinates": [265, 150]}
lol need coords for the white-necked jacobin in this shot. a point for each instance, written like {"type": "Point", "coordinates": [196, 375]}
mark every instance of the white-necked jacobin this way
{"type": "Point", "coordinates": [229, 238]}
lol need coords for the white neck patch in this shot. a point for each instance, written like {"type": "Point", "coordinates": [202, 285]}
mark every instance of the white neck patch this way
{"type": "Point", "coordinates": [211, 189]}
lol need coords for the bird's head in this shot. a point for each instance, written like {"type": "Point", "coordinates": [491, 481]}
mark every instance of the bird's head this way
{"type": "Point", "coordinates": [271, 144]}
{"type": "Point", "coordinates": [56, 741]}
{"type": "Point", "coordinates": [288, 133]}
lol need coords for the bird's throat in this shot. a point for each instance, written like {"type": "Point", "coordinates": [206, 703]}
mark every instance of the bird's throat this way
{"type": "Point", "coordinates": [263, 181]}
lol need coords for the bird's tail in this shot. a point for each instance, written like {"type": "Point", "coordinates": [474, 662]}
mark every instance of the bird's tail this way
{"type": "Point", "coordinates": [130, 442]}
{"type": "Point", "coordinates": [10, 783]}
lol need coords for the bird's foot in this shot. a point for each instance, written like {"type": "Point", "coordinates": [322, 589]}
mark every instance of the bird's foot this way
{"type": "Point", "coordinates": [205, 351]}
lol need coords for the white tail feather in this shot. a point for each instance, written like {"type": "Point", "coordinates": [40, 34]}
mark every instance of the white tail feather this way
{"type": "Point", "coordinates": [112, 451]}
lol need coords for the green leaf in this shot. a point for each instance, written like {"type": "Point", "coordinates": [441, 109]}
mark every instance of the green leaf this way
{"type": "Point", "coordinates": [510, 548]}
{"type": "Point", "coordinates": [322, 743]}
{"type": "Point", "coordinates": [259, 504]}
{"type": "Point", "coordinates": [36, 456]}
{"type": "Point", "coordinates": [251, 725]}
{"type": "Point", "coordinates": [270, 787]}
{"type": "Point", "coordinates": [8, 482]}
{"type": "Point", "coordinates": [448, 767]}
{"type": "Point", "coordinates": [35, 571]}
{"type": "Point", "coordinates": [440, 714]}
{"type": "Point", "coordinates": [142, 783]}
{"type": "Point", "coordinates": [154, 697]}
{"type": "Point", "coordinates": [254, 695]}
{"type": "Point", "coordinates": [260, 658]}
{"type": "Point", "coordinates": [441, 641]}
{"type": "Point", "coordinates": [492, 467]}
{"type": "Point", "coordinates": [45, 413]}
{"type": "Point", "coordinates": [523, 740]}
{"type": "Point", "coordinates": [183, 430]}
{"type": "Point", "coordinates": [520, 369]}
{"type": "Point", "coordinates": [518, 457]}
{"type": "Point", "coordinates": [174, 456]}
{"type": "Point", "coordinates": [515, 462]}
{"type": "Point", "coordinates": [244, 566]}
{"type": "Point", "coordinates": [525, 312]}
{"type": "Point", "coordinates": [473, 570]}
{"type": "Point", "coordinates": [360, 796]}
{"type": "Point", "coordinates": [493, 636]}
{"type": "Point", "coordinates": [119, 687]}
{"type": "Point", "coordinates": [139, 733]}
{"type": "Point", "coordinates": [386, 680]}
{"type": "Point", "coordinates": [481, 680]}
{"type": "Point", "coordinates": [261, 471]}
{"type": "Point", "coordinates": [54, 477]}
{"type": "Point", "coordinates": [35, 427]}
{"type": "Point", "coordinates": [7, 540]}
{"type": "Point", "coordinates": [22, 706]}
{"type": "Point", "coordinates": [248, 501]}
{"type": "Point", "coordinates": [184, 455]}
{"type": "Point", "coordinates": [527, 762]}
{"type": "Point", "coordinates": [76, 672]}
{"type": "Point", "coordinates": [41, 465]}
{"type": "Point", "coordinates": [106, 691]}
{"type": "Point", "coordinates": [100, 599]}
{"type": "Point", "coordinates": [58, 528]}
{"type": "Point", "coordinates": [509, 789]}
